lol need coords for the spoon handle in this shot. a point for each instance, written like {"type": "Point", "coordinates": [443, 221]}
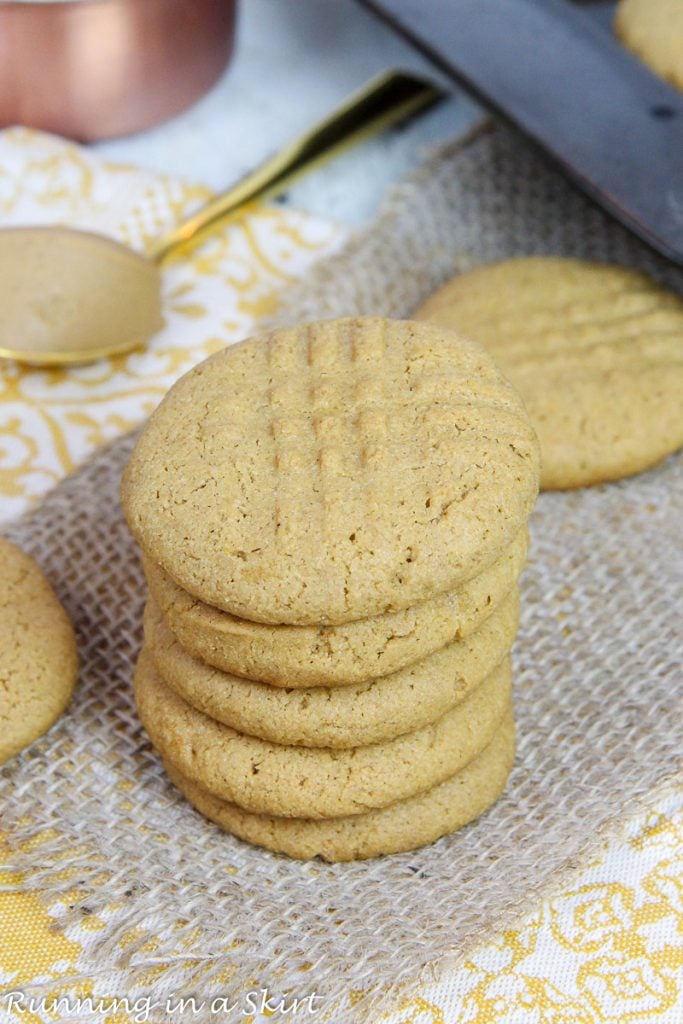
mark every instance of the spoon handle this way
{"type": "Point", "coordinates": [384, 101]}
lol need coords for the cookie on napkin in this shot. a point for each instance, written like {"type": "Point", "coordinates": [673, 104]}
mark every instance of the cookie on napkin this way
{"type": "Point", "coordinates": [38, 656]}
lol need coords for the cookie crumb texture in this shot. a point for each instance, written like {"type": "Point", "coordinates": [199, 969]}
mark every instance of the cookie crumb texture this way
{"type": "Point", "coordinates": [344, 655]}
{"type": "Point", "coordinates": [402, 826]}
{"type": "Point", "coordinates": [595, 351]}
{"type": "Point", "coordinates": [269, 778]}
{"type": "Point", "coordinates": [343, 716]}
{"type": "Point", "coordinates": [332, 472]}
{"type": "Point", "coordinates": [38, 657]}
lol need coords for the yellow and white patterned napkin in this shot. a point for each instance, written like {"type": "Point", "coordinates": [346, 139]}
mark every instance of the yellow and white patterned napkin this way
{"type": "Point", "coordinates": [606, 949]}
{"type": "Point", "coordinates": [51, 420]}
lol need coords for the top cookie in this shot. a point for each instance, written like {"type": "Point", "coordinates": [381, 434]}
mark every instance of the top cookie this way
{"type": "Point", "coordinates": [595, 351]}
{"type": "Point", "coordinates": [38, 659]}
{"type": "Point", "coordinates": [333, 471]}
{"type": "Point", "coordinates": [653, 30]}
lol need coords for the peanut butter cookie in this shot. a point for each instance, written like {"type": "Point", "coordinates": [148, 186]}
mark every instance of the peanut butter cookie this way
{"type": "Point", "coordinates": [595, 351]}
{"type": "Point", "coordinates": [401, 826]}
{"type": "Point", "coordinates": [333, 471]}
{"type": "Point", "coordinates": [38, 657]}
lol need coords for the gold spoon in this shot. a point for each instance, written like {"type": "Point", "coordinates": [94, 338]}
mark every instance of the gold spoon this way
{"type": "Point", "coordinates": [70, 296]}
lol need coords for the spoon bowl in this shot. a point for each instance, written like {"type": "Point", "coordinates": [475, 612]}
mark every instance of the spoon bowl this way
{"type": "Point", "coordinates": [69, 296]}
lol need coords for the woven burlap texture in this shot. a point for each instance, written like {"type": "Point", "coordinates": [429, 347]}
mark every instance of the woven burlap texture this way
{"type": "Point", "coordinates": [597, 661]}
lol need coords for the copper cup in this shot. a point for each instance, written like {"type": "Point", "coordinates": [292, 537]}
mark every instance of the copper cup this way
{"type": "Point", "coordinates": [94, 69]}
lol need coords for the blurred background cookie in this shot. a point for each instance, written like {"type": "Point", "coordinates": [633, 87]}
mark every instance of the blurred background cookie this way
{"type": "Point", "coordinates": [653, 30]}
{"type": "Point", "coordinates": [596, 352]}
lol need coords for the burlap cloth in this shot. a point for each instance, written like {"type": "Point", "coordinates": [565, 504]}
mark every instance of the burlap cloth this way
{"type": "Point", "coordinates": [185, 908]}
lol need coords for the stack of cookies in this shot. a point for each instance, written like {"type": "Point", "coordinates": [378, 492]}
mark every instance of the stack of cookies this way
{"type": "Point", "coordinates": [333, 519]}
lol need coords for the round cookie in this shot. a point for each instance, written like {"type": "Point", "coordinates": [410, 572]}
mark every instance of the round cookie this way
{"type": "Point", "coordinates": [342, 717]}
{"type": "Point", "coordinates": [653, 30]}
{"type": "Point", "coordinates": [305, 656]}
{"type": "Point", "coordinates": [596, 352]}
{"type": "Point", "coordinates": [333, 471]}
{"type": "Point", "coordinates": [402, 826]}
{"type": "Point", "coordinates": [38, 657]}
{"type": "Point", "coordinates": [315, 783]}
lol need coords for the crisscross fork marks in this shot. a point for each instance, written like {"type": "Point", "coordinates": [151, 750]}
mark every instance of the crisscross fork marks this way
{"type": "Point", "coordinates": [293, 434]}
{"type": "Point", "coordinates": [323, 356]}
